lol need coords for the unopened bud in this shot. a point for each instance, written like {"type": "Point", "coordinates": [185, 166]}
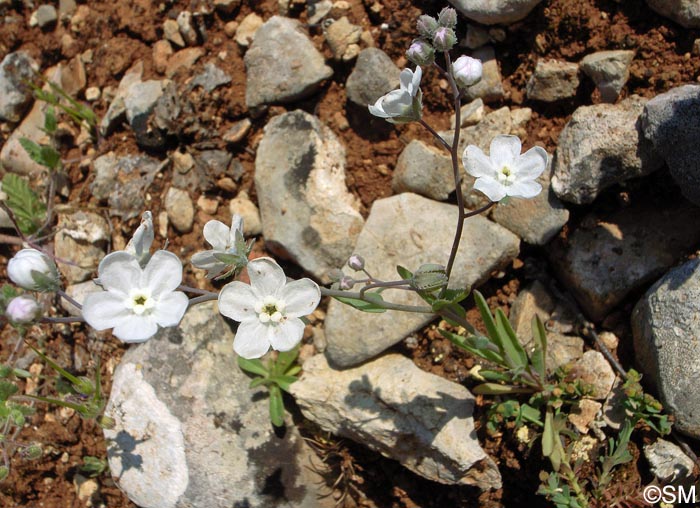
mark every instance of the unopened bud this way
{"type": "Point", "coordinates": [84, 386]}
{"type": "Point", "coordinates": [33, 451]}
{"type": "Point", "coordinates": [33, 270]}
{"type": "Point", "coordinates": [448, 18]}
{"type": "Point", "coordinates": [335, 275]}
{"type": "Point", "coordinates": [356, 262]}
{"type": "Point", "coordinates": [427, 25]}
{"type": "Point", "coordinates": [346, 283]}
{"type": "Point", "coordinates": [22, 310]}
{"type": "Point", "coordinates": [467, 71]}
{"type": "Point", "coordinates": [429, 277]}
{"type": "Point", "coordinates": [444, 39]}
{"type": "Point", "coordinates": [421, 53]}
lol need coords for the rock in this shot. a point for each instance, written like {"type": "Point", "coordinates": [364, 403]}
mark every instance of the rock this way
{"type": "Point", "coordinates": [202, 172]}
{"type": "Point", "coordinates": [245, 33]}
{"type": "Point", "coordinates": [493, 12]}
{"type": "Point", "coordinates": [600, 146]}
{"type": "Point", "coordinates": [78, 292]}
{"type": "Point", "coordinates": [410, 230]}
{"type": "Point", "coordinates": [243, 206]}
{"type": "Point", "coordinates": [117, 108]}
{"type": "Point", "coordinates": [180, 209]}
{"type": "Point", "coordinates": [667, 461]}
{"type": "Point", "coordinates": [92, 94]}
{"type": "Point", "coordinates": [230, 28]}
{"type": "Point", "coordinates": [81, 238]}
{"type": "Point", "coordinates": [552, 81]}
{"type": "Point", "coordinates": [343, 38]}
{"type": "Point", "coordinates": [187, 30]}
{"type": "Point", "coordinates": [374, 75]}
{"type": "Point", "coordinates": [425, 170]}
{"type": "Point", "coordinates": [609, 70]}
{"type": "Point", "coordinates": [391, 406]}
{"type": "Point", "coordinates": [44, 16]}
{"type": "Point", "coordinates": [594, 371]}
{"type": "Point", "coordinates": [238, 131]}
{"type": "Point", "coordinates": [124, 182]}
{"type": "Point", "coordinates": [519, 119]}
{"type": "Point", "coordinates": [162, 50]}
{"type": "Point", "coordinates": [666, 333]}
{"type": "Point", "coordinates": [171, 32]}
{"type": "Point", "coordinates": [316, 10]}
{"type": "Point", "coordinates": [671, 121]}
{"type": "Point", "coordinates": [282, 64]}
{"type": "Point", "coordinates": [622, 253]}
{"type": "Point", "coordinates": [469, 114]}
{"type": "Point", "coordinates": [211, 78]}
{"type": "Point", "coordinates": [584, 414]}
{"type": "Point", "coordinates": [683, 12]}
{"type": "Point", "coordinates": [534, 220]}
{"type": "Point", "coordinates": [66, 8]}
{"type": "Point", "coordinates": [226, 6]}
{"type": "Point", "coordinates": [15, 94]}
{"type": "Point", "coordinates": [140, 102]}
{"type": "Point", "coordinates": [188, 432]}
{"type": "Point", "coordinates": [183, 60]}
{"type": "Point", "coordinates": [207, 205]}
{"type": "Point", "coordinates": [490, 88]}
{"type": "Point", "coordinates": [476, 36]}
{"type": "Point", "coordinates": [307, 212]}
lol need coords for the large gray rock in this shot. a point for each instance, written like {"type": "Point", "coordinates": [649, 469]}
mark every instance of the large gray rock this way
{"type": "Point", "coordinates": [671, 121]}
{"type": "Point", "coordinates": [553, 80]}
{"type": "Point", "coordinates": [410, 230]}
{"type": "Point", "coordinates": [493, 12]}
{"type": "Point", "coordinates": [623, 253]}
{"type": "Point", "coordinates": [15, 94]}
{"type": "Point", "coordinates": [424, 170]}
{"type": "Point", "coordinates": [374, 75]}
{"type": "Point", "coordinates": [307, 212]}
{"type": "Point", "coordinates": [600, 146]}
{"type": "Point", "coordinates": [189, 433]}
{"type": "Point", "coordinates": [609, 70]}
{"type": "Point", "coordinates": [683, 12]}
{"type": "Point", "coordinates": [282, 64]}
{"type": "Point", "coordinates": [391, 406]}
{"type": "Point", "coordinates": [666, 328]}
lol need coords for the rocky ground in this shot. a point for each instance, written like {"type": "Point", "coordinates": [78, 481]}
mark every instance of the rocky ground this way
{"type": "Point", "coordinates": [213, 107]}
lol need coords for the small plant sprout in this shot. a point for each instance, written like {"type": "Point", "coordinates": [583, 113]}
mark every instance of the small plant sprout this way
{"type": "Point", "coordinates": [269, 309]}
{"type": "Point", "coordinates": [402, 105]}
{"type": "Point", "coordinates": [33, 270]}
{"type": "Point", "coordinates": [229, 251]}
{"type": "Point", "coordinates": [136, 301]}
{"type": "Point", "coordinates": [505, 172]}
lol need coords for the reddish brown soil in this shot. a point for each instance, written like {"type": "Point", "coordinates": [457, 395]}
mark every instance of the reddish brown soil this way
{"type": "Point", "coordinates": [122, 32]}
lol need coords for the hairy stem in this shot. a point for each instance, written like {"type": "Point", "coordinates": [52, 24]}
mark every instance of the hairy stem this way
{"type": "Point", "coordinates": [420, 309]}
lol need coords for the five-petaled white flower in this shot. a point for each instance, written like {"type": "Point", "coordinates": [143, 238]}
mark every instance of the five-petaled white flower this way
{"type": "Point", "coordinates": [268, 309]}
{"type": "Point", "coordinates": [223, 240]}
{"type": "Point", "coordinates": [505, 172]}
{"type": "Point", "coordinates": [136, 301]}
{"type": "Point", "coordinates": [402, 105]}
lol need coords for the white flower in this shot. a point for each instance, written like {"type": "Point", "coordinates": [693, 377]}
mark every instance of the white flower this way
{"type": "Point", "coordinates": [224, 242]}
{"type": "Point", "coordinates": [140, 244]}
{"type": "Point", "coordinates": [268, 309]}
{"type": "Point", "coordinates": [402, 105]}
{"type": "Point", "coordinates": [22, 310]}
{"type": "Point", "coordinates": [136, 300]}
{"type": "Point", "coordinates": [33, 270]}
{"type": "Point", "coordinates": [467, 71]}
{"type": "Point", "coordinates": [505, 172]}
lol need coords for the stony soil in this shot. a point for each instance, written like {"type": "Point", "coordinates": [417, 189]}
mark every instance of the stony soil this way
{"type": "Point", "coordinates": [120, 33]}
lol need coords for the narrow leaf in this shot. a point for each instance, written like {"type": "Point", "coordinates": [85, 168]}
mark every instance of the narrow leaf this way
{"type": "Point", "coordinates": [499, 389]}
{"type": "Point", "coordinates": [276, 407]}
{"type": "Point", "coordinates": [252, 366]}
{"type": "Point", "coordinates": [487, 318]}
{"type": "Point", "coordinates": [514, 351]}
{"type": "Point", "coordinates": [539, 356]}
{"type": "Point", "coordinates": [362, 305]}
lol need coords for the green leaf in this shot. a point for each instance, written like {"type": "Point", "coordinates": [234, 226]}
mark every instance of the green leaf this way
{"type": "Point", "coordinates": [363, 305]}
{"type": "Point", "coordinates": [487, 318]}
{"type": "Point", "coordinates": [539, 355]}
{"type": "Point", "coordinates": [276, 407]}
{"type": "Point", "coordinates": [259, 381]}
{"type": "Point", "coordinates": [253, 366]}
{"type": "Point", "coordinates": [548, 435]}
{"type": "Point", "coordinates": [28, 210]}
{"type": "Point", "coordinates": [41, 154]}
{"type": "Point", "coordinates": [285, 359]}
{"type": "Point", "coordinates": [50, 122]}
{"type": "Point", "coordinates": [7, 389]}
{"type": "Point", "coordinates": [404, 273]}
{"type": "Point", "coordinates": [474, 345]}
{"type": "Point", "coordinates": [511, 346]}
{"type": "Point", "coordinates": [494, 375]}
{"type": "Point", "coordinates": [284, 381]}
{"type": "Point", "coordinates": [499, 389]}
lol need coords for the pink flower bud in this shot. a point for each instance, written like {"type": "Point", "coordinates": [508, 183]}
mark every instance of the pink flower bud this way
{"type": "Point", "coordinates": [22, 310]}
{"type": "Point", "coordinates": [421, 53]}
{"type": "Point", "coordinates": [444, 39]}
{"type": "Point", "coordinates": [467, 71]}
{"type": "Point", "coordinates": [448, 18]}
{"type": "Point", "coordinates": [356, 262]}
{"type": "Point", "coordinates": [426, 26]}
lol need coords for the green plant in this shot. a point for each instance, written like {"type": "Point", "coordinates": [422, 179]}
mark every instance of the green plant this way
{"type": "Point", "coordinates": [26, 206]}
{"type": "Point", "coordinates": [93, 466]}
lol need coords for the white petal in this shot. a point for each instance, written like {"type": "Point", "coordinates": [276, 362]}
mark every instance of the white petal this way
{"type": "Point", "coordinates": [250, 341]}
{"type": "Point", "coordinates": [236, 225]}
{"type": "Point", "coordinates": [216, 233]}
{"type": "Point", "coordinates": [266, 276]}
{"type": "Point", "coordinates": [524, 189]}
{"type": "Point", "coordinates": [476, 163]}
{"type": "Point", "coordinates": [301, 297]}
{"type": "Point", "coordinates": [237, 301]}
{"type": "Point", "coordinates": [493, 190]}
{"type": "Point", "coordinates": [531, 164]}
{"type": "Point", "coordinates": [135, 328]}
{"type": "Point", "coordinates": [170, 308]}
{"type": "Point", "coordinates": [163, 273]}
{"type": "Point", "coordinates": [286, 335]}
{"type": "Point", "coordinates": [406, 80]}
{"type": "Point", "coordinates": [377, 109]}
{"type": "Point", "coordinates": [140, 243]}
{"type": "Point", "coordinates": [104, 309]}
{"type": "Point", "coordinates": [398, 103]}
{"type": "Point", "coordinates": [416, 81]}
{"type": "Point", "coordinates": [119, 271]}
{"type": "Point", "coordinates": [206, 261]}
{"type": "Point", "coordinates": [504, 150]}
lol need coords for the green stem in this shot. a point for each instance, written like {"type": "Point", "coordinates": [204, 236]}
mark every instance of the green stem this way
{"type": "Point", "coordinates": [385, 305]}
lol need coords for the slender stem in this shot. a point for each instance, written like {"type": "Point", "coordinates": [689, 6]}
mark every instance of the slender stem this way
{"type": "Point", "coordinates": [13, 240]}
{"type": "Point", "coordinates": [190, 289]}
{"type": "Point", "coordinates": [201, 299]}
{"type": "Point", "coordinates": [386, 305]}
{"type": "Point", "coordinates": [390, 284]}
{"type": "Point", "coordinates": [435, 134]}
{"type": "Point", "coordinates": [69, 299]}
{"type": "Point", "coordinates": [68, 319]}
{"type": "Point", "coordinates": [478, 210]}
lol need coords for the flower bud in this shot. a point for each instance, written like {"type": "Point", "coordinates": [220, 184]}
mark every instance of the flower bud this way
{"type": "Point", "coordinates": [335, 275]}
{"type": "Point", "coordinates": [33, 451]}
{"type": "Point", "coordinates": [467, 71]}
{"type": "Point", "coordinates": [33, 270]}
{"type": "Point", "coordinates": [421, 53]}
{"type": "Point", "coordinates": [429, 277]}
{"type": "Point", "coordinates": [356, 262]}
{"type": "Point", "coordinates": [427, 25]}
{"type": "Point", "coordinates": [22, 310]}
{"type": "Point", "coordinates": [444, 39]}
{"type": "Point", "coordinates": [448, 18]}
{"type": "Point", "coordinates": [346, 283]}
